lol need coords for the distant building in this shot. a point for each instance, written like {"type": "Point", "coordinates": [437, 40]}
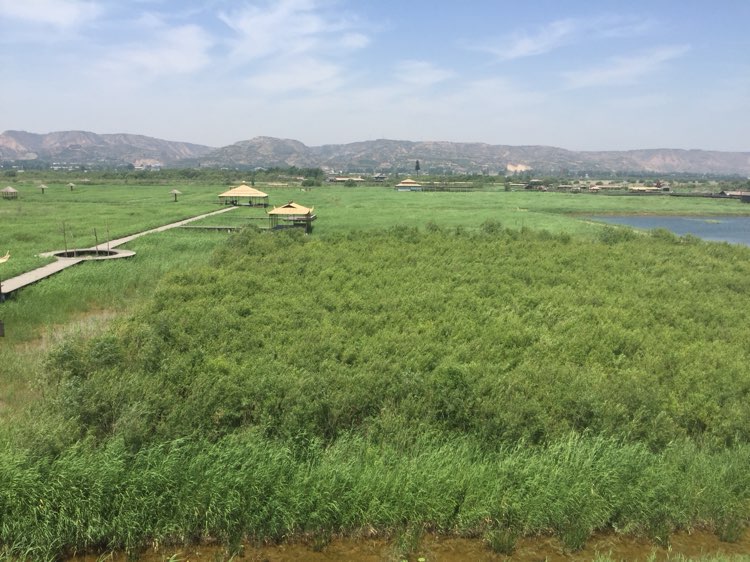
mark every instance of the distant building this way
{"type": "Point", "coordinates": [536, 185]}
{"type": "Point", "coordinates": [643, 189]}
{"type": "Point", "coordinates": [342, 179]}
{"type": "Point", "coordinates": [735, 194]}
{"type": "Point", "coordinates": [408, 185]}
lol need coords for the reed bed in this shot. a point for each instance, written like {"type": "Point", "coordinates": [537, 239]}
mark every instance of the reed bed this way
{"type": "Point", "coordinates": [248, 487]}
{"type": "Point", "coordinates": [492, 382]}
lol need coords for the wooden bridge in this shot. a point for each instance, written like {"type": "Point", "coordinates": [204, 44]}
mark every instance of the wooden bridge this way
{"type": "Point", "coordinates": [11, 285]}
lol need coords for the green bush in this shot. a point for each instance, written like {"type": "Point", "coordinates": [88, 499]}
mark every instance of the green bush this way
{"type": "Point", "coordinates": [399, 379]}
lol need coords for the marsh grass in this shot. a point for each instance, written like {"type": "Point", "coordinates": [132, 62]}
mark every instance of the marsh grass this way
{"type": "Point", "coordinates": [247, 486]}
{"type": "Point", "coordinates": [34, 223]}
{"type": "Point", "coordinates": [502, 541]}
{"type": "Point", "coordinates": [407, 542]}
{"type": "Point", "coordinates": [351, 209]}
{"type": "Point", "coordinates": [470, 375]}
{"type": "Point", "coordinates": [81, 302]}
{"type": "Point", "coordinates": [41, 223]}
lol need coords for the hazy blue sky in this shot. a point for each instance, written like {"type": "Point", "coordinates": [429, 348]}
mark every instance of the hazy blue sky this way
{"type": "Point", "coordinates": [583, 75]}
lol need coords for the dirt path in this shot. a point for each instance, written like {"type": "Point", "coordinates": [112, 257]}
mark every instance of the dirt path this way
{"type": "Point", "coordinates": [14, 283]}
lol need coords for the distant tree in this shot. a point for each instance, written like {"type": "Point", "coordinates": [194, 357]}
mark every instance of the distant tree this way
{"type": "Point", "coordinates": [416, 167]}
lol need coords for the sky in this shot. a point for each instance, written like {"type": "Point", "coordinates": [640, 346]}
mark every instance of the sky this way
{"type": "Point", "coordinates": [575, 74]}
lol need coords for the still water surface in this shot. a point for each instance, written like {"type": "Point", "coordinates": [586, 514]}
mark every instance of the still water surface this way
{"type": "Point", "coordinates": [735, 230]}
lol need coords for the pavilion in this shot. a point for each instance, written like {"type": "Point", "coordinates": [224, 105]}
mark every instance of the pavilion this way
{"type": "Point", "coordinates": [409, 185]}
{"type": "Point", "coordinates": [293, 214]}
{"type": "Point", "coordinates": [9, 193]}
{"type": "Point", "coordinates": [255, 197]}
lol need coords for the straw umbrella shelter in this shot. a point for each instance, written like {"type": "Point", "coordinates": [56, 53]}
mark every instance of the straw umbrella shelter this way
{"type": "Point", "coordinates": [408, 185]}
{"type": "Point", "coordinates": [43, 188]}
{"type": "Point", "coordinates": [9, 193]}
{"type": "Point", "coordinates": [255, 197]}
{"type": "Point", "coordinates": [175, 192]}
{"type": "Point", "coordinates": [293, 214]}
{"type": "Point", "coordinates": [71, 185]}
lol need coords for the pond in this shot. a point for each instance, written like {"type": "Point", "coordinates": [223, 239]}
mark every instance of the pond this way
{"type": "Point", "coordinates": [735, 230]}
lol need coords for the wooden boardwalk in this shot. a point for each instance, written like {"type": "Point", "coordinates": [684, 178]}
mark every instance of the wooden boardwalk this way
{"type": "Point", "coordinates": [14, 283]}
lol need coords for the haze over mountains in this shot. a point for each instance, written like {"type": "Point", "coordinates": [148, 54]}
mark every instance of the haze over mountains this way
{"type": "Point", "coordinates": [113, 150]}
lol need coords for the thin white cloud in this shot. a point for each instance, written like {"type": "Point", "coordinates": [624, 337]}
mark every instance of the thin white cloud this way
{"type": "Point", "coordinates": [59, 14]}
{"type": "Point", "coordinates": [290, 27]}
{"type": "Point", "coordinates": [560, 33]}
{"type": "Point", "coordinates": [290, 47]}
{"type": "Point", "coordinates": [421, 73]}
{"type": "Point", "coordinates": [548, 38]}
{"type": "Point", "coordinates": [624, 70]}
{"type": "Point", "coordinates": [167, 51]}
{"type": "Point", "coordinates": [638, 102]}
{"type": "Point", "coordinates": [354, 41]}
{"type": "Point", "coordinates": [298, 75]}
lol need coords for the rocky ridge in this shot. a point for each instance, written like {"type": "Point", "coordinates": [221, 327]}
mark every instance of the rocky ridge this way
{"type": "Point", "coordinates": [382, 155]}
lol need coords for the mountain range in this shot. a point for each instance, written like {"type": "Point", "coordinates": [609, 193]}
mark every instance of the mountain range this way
{"type": "Point", "coordinates": [91, 149]}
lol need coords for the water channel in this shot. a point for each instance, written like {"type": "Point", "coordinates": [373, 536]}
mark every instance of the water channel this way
{"type": "Point", "coordinates": [735, 230]}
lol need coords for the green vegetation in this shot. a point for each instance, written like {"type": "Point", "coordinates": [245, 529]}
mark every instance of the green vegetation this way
{"type": "Point", "coordinates": [37, 222]}
{"type": "Point", "coordinates": [505, 336]}
{"type": "Point", "coordinates": [457, 373]}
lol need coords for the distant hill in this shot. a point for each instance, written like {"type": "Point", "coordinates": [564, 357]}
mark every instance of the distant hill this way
{"type": "Point", "coordinates": [81, 147]}
{"type": "Point", "coordinates": [443, 157]}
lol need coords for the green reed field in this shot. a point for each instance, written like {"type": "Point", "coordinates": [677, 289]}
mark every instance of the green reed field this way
{"type": "Point", "coordinates": [480, 364]}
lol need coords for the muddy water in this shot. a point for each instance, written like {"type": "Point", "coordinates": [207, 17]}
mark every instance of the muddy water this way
{"type": "Point", "coordinates": [437, 549]}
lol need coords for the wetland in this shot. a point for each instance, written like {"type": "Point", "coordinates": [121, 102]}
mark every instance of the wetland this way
{"type": "Point", "coordinates": [495, 368]}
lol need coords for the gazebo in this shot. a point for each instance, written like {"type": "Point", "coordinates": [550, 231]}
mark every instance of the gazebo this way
{"type": "Point", "coordinates": [255, 197]}
{"type": "Point", "coordinates": [293, 214]}
{"type": "Point", "coordinates": [408, 185]}
{"type": "Point", "coordinates": [9, 193]}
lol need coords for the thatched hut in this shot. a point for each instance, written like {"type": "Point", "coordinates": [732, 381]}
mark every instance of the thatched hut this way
{"type": "Point", "coordinates": [175, 192]}
{"type": "Point", "coordinates": [235, 196]}
{"type": "Point", "coordinates": [409, 185]}
{"type": "Point", "coordinates": [292, 214]}
{"type": "Point", "coordinates": [9, 193]}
